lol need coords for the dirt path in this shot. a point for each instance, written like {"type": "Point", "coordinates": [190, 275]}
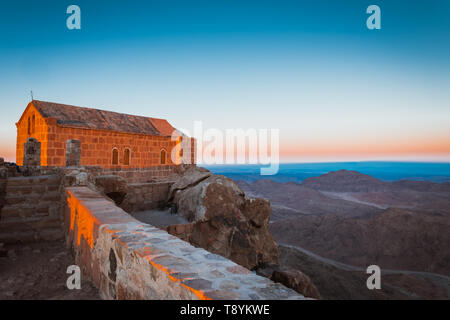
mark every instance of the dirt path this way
{"type": "Point", "coordinates": [38, 271]}
{"type": "Point", "coordinates": [439, 279]}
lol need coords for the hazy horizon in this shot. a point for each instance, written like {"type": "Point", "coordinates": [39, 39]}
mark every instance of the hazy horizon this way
{"type": "Point", "coordinates": [383, 170]}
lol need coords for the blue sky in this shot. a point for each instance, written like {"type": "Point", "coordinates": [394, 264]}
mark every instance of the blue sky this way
{"type": "Point", "coordinates": [312, 69]}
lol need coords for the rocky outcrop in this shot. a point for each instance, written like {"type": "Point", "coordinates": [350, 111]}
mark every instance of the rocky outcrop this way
{"type": "Point", "coordinates": [224, 220]}
{"type": "Point", "coordinates": [297, 280]}
{"type": "Point", "coordinates": [188, 178]}
{"type": "Point", "coordinates": [291, 278]}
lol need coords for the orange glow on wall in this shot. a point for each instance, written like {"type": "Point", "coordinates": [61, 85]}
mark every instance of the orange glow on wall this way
{"type": "Point", "coordinates": [83, 219]}
{"type": "Point", "coordinates": [26, 129]}
{"type": "Point", "coordinates": [146, 254]}
{"type": "Point", "coordinates": [134, 150]}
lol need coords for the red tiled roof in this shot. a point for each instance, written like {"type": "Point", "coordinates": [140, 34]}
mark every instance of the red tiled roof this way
{"type": "Point", "coordinates": [162, 126]}
{"type": "Point", "coordinates": [89, 118]}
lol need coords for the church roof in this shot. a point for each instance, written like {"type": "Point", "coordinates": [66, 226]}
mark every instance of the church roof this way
{"type": "Point", "coordinates": [89, 118]}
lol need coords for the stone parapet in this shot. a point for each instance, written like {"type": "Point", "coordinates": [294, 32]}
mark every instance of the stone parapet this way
{"type": "Point", "coordinates": [127, 259]}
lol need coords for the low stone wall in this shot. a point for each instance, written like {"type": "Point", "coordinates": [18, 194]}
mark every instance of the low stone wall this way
{"type": "Point", "coordinates": [131, 175]}
{"type": "Point", "coordinates": [127, 259]}
{"type": "Point", "coordinates": [146, 196]}
{"type": "Point", "coordinates": [142, 175]}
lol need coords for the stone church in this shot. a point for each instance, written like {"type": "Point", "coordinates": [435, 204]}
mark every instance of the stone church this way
{"type": "Point", "coordinates": [69, 135]}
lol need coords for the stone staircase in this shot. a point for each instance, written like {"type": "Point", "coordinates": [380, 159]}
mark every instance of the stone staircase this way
{"type": "Point", "coordinates": [32, 209]}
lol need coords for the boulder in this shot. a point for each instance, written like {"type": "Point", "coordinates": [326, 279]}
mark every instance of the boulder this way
{"type": "Point", "coordinates": [296, 280]}
{"type": "Point", "coordinates": [188, 178]}
{"type": "Point", "coordinates": [267, 270]}
{"type": "Point", "coordinates": [115, 187]}
{"type": "Point", "coordinates": [191, 202]}
{"type": "Point", "coordinates": [224, 220]}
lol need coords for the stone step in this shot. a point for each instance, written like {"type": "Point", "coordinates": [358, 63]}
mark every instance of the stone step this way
{"type": "Point", "coordinates": [31, 188]}
{"type": "Point", "coordinates": [34, 180]}
{"type": "Point", "coordinates": [12, 199]}
{"type": "Point", "coordinates": [29, 224]}
{"type": "Point", "coordinates": [31, 236]}
{"type": "Point", "coordinates": [14, 237]}
{"type": "Point", "coordinates": [15, 211]}
{"type": "Point", "coordinates": [24, 210]}
{"type": "Point", "coordinates": [33, 204]}
{"type": "Point", "coordinates": [44, 196]}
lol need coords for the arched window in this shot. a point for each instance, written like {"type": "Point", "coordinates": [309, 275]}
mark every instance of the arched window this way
{"type": "Point", "coordinates": [126, 157]}
{"type": "Point", "coordinates": [115, 156]}
{"type": "Point", "coordinates": [33, 124]}
{"type": "Point", "coordinates": [163, 156]}
{"type": "Point", "coordinates": [29, 126]}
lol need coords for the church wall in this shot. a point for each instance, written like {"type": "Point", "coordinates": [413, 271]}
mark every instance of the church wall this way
{"type": "Point", "coordinates": [40, 132]}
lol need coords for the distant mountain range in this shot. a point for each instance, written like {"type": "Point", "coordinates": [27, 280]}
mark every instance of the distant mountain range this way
{"type": "Point", "coordinates": [359, 220]}
{"type": "Point", "coordinates": [383, 170]}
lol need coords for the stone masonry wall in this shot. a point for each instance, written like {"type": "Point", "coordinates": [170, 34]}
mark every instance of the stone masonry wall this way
{"type": "Point", "coordinates": [146, 196]}
{"type": "Point", "coordinates": [96, 145]}
{"type": "Point", "coordinates": [32, 210]}
{"type": "Point", "coordinates": [73, 153]}
{"type": "Point", "coordinates": [142, 175]}
{"type": "Point", "coordinates": [39, 131]}
{"type": "Point", "coordinates": [32, 153]}
{"type": "Point", "coordinates": [127, 259]}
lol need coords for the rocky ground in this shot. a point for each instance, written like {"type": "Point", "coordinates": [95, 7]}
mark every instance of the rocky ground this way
{"type": "Point", "coordinates": [335, 283]}
{"type": "Point", "coordinates": [159, 218]}
{"type": "Point", "coordinates": [394, 239]}
{"type": "Point", "coordinates": [416, 237]}
{"type": "Point", "coordinates": [38, 271]}
{"type": "Point", "coordinates": [358, 220]}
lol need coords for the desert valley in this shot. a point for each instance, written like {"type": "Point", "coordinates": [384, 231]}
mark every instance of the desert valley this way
{"type": "Point", "coordinates": [335, 225]}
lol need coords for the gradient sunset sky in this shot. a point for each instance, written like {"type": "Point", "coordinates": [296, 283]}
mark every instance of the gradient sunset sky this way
{"type": "Point", "coordinates": [336, 90]}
